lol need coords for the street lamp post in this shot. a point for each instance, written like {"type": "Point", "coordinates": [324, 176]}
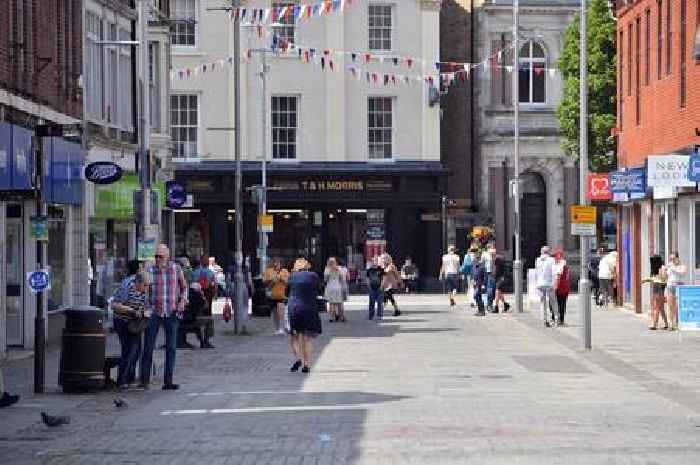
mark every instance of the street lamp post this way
{"type": "Point", "coordinates": [238, 278]}
{"type": "Point", "coordinates": [584, 283]}
{"type": "Point", "coordinates": [517, 259]}
{"type": "Point", "coordinates": [144, 126]}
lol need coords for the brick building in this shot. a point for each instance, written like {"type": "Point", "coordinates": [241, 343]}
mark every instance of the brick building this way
{"type": "Point", "coordinates": [658, 128]}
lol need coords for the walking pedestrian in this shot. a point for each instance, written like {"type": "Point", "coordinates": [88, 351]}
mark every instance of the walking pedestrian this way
{"type": "Point", "coordinates": [275, 279]}
{"type": "Point", "coordinates": [544, 266]}
{"type": "Point", "coordinates": [467, 271]}
{"type": "Point", "coordinates": [391, 282]}
{"type": "Point", "coordinates": [479, 273]}
{"type": "Point", "coordinates": [304, 322]}
{"type": "Point", "coordinates": [7, 399]}
{"type": "Point", "coordinates": [658, 279]}
{"type": "Point", "coordinates": [167, 301]}
{"type": "Point", "coordinates": [186, 269]}
{"type": "Point", "coordinates": [130, 320]}
{"type": "Point", "coordinates": [333, 291]}
{"type": "Point", "coordinates": [346, 289]}
{"type": "Point", "coordinates": [206, 277]}
{"type": "Point", "coordinates": [375, 274]}
{"type": "Point", "coordinates": [676, 271]}
{"type": "Point", "coordinates": [499, 275]}
{"type": "Point", "coordinates": [409, 275]}
{"type": "Point", "coordinates": [488, 257]}
{"type": "Point", "coordinates": [607, 273]}
{"type": "Point", "coordinates": [562, 274]}
{"type": "Point", "coordinates": [593, 267]}
{"type": "Point", "coordinates": [449, 271]}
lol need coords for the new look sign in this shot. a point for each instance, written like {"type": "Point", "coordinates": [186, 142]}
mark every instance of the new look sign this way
{"type": "Point", "coordinates": [668, 171]}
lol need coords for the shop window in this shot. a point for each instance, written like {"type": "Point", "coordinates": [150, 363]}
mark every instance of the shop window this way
{"type": "Point", "coordinates": [284, 126]}
{"type": "Point", "coordinates": [380, 27]}
{"type": "Point", "coordinates": [184, 26]}
{"type": "Point", "coordinates": [533, 63]}
{"type": "Point", "coordinates": [284, 26]}
{"type": "Point", "coordinates": [380, 127]}
{"type": "Point", "coordinates": [184, 121]}
{"type": "Point", "coordinates": [56, 257]}
{"type": "Point", "coordinates": [94, 66]}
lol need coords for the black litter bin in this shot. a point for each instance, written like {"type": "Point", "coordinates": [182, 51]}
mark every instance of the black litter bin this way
{"type": "Point", "coordinates": [82, 350]}
{"type": "Point", "coordinates": [261, 304]}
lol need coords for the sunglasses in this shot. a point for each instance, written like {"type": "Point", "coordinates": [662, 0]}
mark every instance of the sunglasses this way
{"type": "Point", "coordinates": [159, 256]}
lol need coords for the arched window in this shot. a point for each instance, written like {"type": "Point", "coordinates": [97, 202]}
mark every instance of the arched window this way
{"type": "Point", "coordinates": [533, 75]}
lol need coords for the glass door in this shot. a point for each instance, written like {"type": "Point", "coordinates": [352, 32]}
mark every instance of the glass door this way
{"type": "Point", "coordinates": [14, 268]}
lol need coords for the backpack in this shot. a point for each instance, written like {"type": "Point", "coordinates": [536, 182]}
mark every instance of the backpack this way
{"type": "Point", "coordinates": [564, 284]}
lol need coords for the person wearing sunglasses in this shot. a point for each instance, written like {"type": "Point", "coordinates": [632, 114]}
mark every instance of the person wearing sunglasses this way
{"type": "Point", "coordinates": [166, 302]}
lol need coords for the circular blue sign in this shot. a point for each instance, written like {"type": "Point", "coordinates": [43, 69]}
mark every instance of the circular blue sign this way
{"type": "Point", "coordinates": [103, 172]}
{"type": "Point", "coordinates": [38, 281]}
{"type": "Point", "coordinates": [175, 194]}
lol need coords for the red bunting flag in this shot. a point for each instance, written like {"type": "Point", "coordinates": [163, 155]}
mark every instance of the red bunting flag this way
{"type": "Point", "coordinates": [368, 57]}
{"type": "Point", "coordinates": [409, 62]}
{"type": "Point", "coordinates": [330, 63]}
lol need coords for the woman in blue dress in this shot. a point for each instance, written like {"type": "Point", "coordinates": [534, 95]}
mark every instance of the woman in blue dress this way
{"type": "Point", "coordinates": [304, 322]}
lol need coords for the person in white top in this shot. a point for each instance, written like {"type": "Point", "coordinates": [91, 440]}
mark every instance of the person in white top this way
{"type": "Point", "coordinates": [545, 269]}
{"type": "Point", "coordinates": [607, 272]}
{"type": "Point", "coordinates": [449, 271]}
{"type": "Point", "coordinates": [675, 271]}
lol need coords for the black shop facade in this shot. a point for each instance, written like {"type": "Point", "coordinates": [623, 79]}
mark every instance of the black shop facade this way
{"type": "Point", "coordinates": [351, 211]}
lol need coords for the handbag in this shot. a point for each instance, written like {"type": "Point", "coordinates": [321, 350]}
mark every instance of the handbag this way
{"type": "Point", "coordinates": [137, 325]}
{"type": "Point", "coordinates": [227, 311]}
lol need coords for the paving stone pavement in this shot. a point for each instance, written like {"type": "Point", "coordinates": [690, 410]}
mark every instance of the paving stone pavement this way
{"type": "Point", "coordinates": [434, 386]}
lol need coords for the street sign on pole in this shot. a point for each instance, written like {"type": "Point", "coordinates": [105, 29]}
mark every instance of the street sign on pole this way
{"type": "Point", "coordinates": [583, 220]}
{"type": "Point", "coordinates": [266, 223]}
{"type": "Point", "coordinates": [39, 281]}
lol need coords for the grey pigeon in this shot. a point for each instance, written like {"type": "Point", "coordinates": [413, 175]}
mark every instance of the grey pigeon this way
{"type": "Point", "coordinates": [120, 403]}
{"type": "Point", "coordinates": [52, 421]}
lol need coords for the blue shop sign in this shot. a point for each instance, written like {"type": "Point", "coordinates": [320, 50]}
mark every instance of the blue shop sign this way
{"type": "Point", "coordinates": [629, 181]}
{"type": "Point", "coordinates": [694, 167]}
{"type": "Point", "coordinates": [63, 171]}
{"type": "Point", "coordinates": [689, 308]}
{"type": "Point", "coordinates": [175, 194]}
{"type": "Point", "coordinates": [103, 172]}
{"type": "Point", "coordinates": [16, 158]}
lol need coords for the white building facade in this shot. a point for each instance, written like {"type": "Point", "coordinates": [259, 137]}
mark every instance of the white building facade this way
{"type": "Point", "coordinates": [375, 141]}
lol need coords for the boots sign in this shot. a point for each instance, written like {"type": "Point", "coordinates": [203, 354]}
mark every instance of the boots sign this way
{"type": "Point", "coordinates": [103, 172]}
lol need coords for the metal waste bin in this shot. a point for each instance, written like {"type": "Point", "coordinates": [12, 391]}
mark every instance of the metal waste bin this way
{"type": "Point", "coordinates": [82, 350]}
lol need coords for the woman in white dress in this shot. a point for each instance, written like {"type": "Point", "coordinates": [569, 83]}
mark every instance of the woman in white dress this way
{"type": "Point", "coordinates": [334, 279]}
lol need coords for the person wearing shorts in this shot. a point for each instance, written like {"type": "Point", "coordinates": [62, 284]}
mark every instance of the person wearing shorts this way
{"type": "Point", "coordinates": [450, 272]}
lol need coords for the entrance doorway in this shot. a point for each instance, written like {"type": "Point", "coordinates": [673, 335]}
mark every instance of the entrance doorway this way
{"type": "Point", "coordinates": [14, 270]}
{"type": "Point", "coordinates": [533, 223]}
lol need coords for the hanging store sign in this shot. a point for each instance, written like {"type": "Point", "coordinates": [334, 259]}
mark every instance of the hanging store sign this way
{"type": "Point", "coordinates": [628, 181]}
{"type": "Point", "coordinates": [694, 167]}
{"type": "Point", "coordinates": [599, 186]}
{"type": "Point", "coordinates": [668, 171]}
{"type": "Point", "coordinates": [176, 197]}
{"type": "Point", "coordinates": [103, 172]}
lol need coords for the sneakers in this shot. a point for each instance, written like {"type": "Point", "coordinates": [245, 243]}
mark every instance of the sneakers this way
{"type": "Point", "coordinates": [397, 313]}
{"type": "Point", "coordinates": [306, 369]}
{"type": "Point", "coordinates": [507, 307]}
{"type": "Point", "coordinates": [296, 366]}
{"type": "Point", "coordinates": [7, 399]}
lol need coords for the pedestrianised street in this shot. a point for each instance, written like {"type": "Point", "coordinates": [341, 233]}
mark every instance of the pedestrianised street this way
{"type": "Point", "coordinates": [434, 386]}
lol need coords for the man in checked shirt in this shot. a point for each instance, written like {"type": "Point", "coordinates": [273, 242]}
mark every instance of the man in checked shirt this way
{"type": "Point", "coordinates": [166, 302]}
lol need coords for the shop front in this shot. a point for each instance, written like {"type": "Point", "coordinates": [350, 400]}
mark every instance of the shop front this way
{"type": "Point", "coordinates": [351, 211]}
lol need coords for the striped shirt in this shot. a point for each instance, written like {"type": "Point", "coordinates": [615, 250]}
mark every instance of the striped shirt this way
{"type": "Point", "coordinates": [168, 288]}
{"type": "Point", "coordinates": [127, 295]}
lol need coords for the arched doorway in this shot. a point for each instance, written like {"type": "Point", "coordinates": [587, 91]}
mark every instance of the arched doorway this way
{"type": "Point", "coordinates": [533, 217]}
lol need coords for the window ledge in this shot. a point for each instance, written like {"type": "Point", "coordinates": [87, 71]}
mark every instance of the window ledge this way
{"type": "Point", "coordinates": [186, 52]}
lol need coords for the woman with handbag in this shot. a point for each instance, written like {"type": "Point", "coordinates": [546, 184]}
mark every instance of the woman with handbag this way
{"type": "Point", "coordinates": [130, 320]}
{"type": "Point", "coordinates": [304, 322]}
{"type": "Point", "coordinates": [333, 292]}
{"type": "Point", "coordinates": [275, 280]}
{"type": "Point", "coordinates": [391, 282]}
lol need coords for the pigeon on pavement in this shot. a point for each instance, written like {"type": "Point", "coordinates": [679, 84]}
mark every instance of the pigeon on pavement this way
{"type": "Point", "coordinates": [52, 421]}
{"type": "Point", "coordinates": [120, 403]}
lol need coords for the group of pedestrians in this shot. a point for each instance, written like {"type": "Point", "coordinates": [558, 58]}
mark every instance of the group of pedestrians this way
{"type": "Point", "coordinates": [482, 273]}
{"type": "Point", "coordinates": [665, 279]}
{"type": "Point", "coordinates": [553, 282]}
{"type": "Point", "coordinates": [383, 281]}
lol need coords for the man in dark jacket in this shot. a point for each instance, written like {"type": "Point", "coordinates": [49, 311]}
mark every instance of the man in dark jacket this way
{"type": "Point", "coordinates": [375, 273]}
{"type": "Point", "coordinates": [480, 279]}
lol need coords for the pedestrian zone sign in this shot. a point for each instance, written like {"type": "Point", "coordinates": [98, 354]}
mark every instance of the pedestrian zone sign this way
{"type": "Point", "coordinates": [39, 281]}
{"type": "Point", "coordinates": [689, 308]}
{"type": "Point", "coordinates": [583, 220]}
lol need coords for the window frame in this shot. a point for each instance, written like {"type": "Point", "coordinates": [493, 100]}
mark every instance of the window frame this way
{"type": "Point", "coordinates": [683, 60]}
{"type": "Point", "coordinates": [195, 27]}
{"type": "Point", "coordinates": [197, 127]}
{"type": "Point", "coordinates": [669, 37]}
{"type": "Point", "coordinates": [659, 39]}
{"type": "Point", "coordinates": [531, 60]}
{"type": "Point", "coordinates": [391, 129]}
{"type": "Point", "coordinates": [288, 24]}
{"type": "Point", "coordinates": [647, 47]}
{"type": "Point", "coordinates": [297, 113]}
{"type": "Point", "coordinates": [638, 56]}
{"type": "Point", "coordinates": [391, 28]}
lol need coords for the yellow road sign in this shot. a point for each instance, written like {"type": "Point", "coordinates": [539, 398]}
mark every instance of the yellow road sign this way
{"type": "Point", "coordinates": [265, 222]}
{"type": "Point", "coordinates": [583, 215]}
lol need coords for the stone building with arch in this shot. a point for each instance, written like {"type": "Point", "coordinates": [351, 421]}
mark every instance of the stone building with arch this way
{"type": "Point", "coordinates": [549, 178]}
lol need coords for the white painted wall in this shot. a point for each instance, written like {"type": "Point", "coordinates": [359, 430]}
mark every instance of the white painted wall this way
{"type": "Point", "coordinates": [332, 105]}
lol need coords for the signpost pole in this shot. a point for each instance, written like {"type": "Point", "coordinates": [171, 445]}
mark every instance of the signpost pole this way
{"type": "Point", "coordinates": [584, 283]}
{"type": "Point", "coordinates": [517, 257]}
{"type": "Point", "coordinates": [39, 320]}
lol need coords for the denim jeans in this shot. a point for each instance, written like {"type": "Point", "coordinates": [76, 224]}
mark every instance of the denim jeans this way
{"type": "Point", "coordinates": [131, 346]}
{"type": "Point", "coordinates": [490, 289]}
{"type": "Point", "coordinates": [170, 325]}
{"type": "Point", "coordinates": [376, 298]}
